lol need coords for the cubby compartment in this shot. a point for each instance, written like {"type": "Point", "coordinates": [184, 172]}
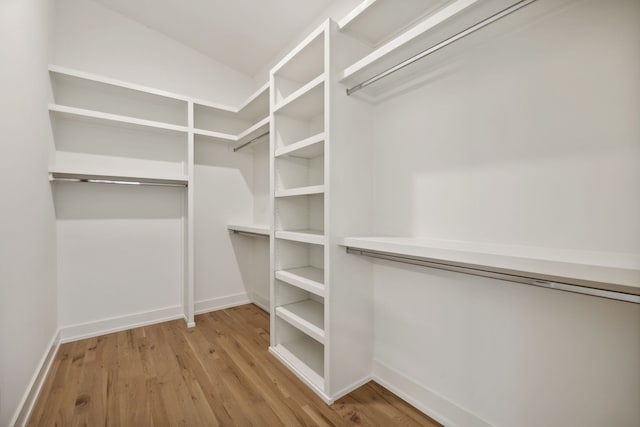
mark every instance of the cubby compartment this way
{"type": "Point", "coordinates": [306, 259]}
{"type": "Point", "coordinates": [302, 352]}
{"type": "Point", "coordinates": [98, 147]}
{"type": "Point", "coordinates": [291, 131]}
{"type": "Point", "coordinates": [298, 174]}
{"type": "Point", "coordinates": [93, 95]}
{"type": "Point", "coordinates": [305, 65]}
{"type": "Point", "coordinates": [301, 309]}
{"type": "Point", "coordinates": [302, 214]}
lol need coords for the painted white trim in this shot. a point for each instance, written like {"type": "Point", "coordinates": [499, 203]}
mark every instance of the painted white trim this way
{"type": "Point", "coordinates": [121, 323]}
{"type": "Point", "coordinates": [426, 400]}
{"type": "Point", "coordinates": [23, 411]}
{"type": "Point", "coordinates": [220, 303]}
{"type": "Point", "coordinates": [259, 300]}
{"type": "Point", "coordinates": [328, 400]}
{"type": "Point", "coordinates": [348, 389]}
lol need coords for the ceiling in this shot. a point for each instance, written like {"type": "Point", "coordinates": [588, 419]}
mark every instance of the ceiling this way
{"type": "Point", "coordinates": [243, 34]}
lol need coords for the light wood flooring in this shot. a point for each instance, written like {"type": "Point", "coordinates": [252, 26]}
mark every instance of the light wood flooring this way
{"type": "Point", "coordinates": [219, 373]}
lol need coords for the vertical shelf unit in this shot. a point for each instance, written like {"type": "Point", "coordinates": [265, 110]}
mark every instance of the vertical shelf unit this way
{"type": "Point", "coordinates": [309, 325]}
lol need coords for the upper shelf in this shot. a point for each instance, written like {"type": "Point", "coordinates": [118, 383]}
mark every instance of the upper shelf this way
{"type": "Point", "coordinates": [439, 21]}
{"type": "Point", "coordinates": [610, 271]}
{"type": "Point", "coordinates": [375, 21]}
{"type": "Point", "coordinates": [254, 108]}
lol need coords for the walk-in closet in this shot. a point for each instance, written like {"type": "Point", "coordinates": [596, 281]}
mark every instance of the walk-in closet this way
{"type": "Point", "coordinates": [320, 213]}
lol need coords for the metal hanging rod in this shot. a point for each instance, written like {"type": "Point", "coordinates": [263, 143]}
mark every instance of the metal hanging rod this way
{"type": "Point", "coordinates": [510, 276]}
{"type": "Point", "coordinates": [250, 142]}
{"type": "Point", "coordinates": [118, 182]}
{"type": "Point", "coordinates": [250, 234]}
{"type": "Point", "coordinates": [493, 18]}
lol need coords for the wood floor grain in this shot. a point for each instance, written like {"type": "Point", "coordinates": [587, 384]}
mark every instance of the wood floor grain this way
{"type": "Point", "coordinates": [219, 373]}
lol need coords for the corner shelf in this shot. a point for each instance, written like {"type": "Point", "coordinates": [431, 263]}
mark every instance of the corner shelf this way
{"type": "Point", "coordinates": [607, 272]}
{"type": "Point", "coordinates": [307, 316]}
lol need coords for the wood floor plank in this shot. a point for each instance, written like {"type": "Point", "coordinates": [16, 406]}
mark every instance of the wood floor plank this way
{"type": "Point", "coordinates": [219, 373]}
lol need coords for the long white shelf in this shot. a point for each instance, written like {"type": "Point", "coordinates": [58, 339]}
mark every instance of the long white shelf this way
{"type": "Point", "coordinates": [310, 279]}
{"type": "Point", "coordinates": [304, 236]}
{"type": "Point", "coordinates": [56, 69]}
{"type": "Point", "coordinates": [98, 116]}
{"type": "Point", "coordinates": [259, 229]}
{"type": "Point", "coordinates": [306, 357]}
{"type": "Point", "coordinates": [246, 135]}
{"type": "Point", "coordinates": [307, 148]}
{"type": "Point", "coordinates": [407, 37]}
{"type": "Point", "coordinates": [305, 102]}
{"type": "Point", "coordinates": [375, 21]}
{"type": "Point", "coordinates": [249, 109]}
{"type": "Point", "coordinates": [301, 191]}
{"type": "Point", "coordinates": [106, 177]}
{"type": "Point", "coordinates": [307, 316]}
{"type": "Point", "coordinates": [615, 272]}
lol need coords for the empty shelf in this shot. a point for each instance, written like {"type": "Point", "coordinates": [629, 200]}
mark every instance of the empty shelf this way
{"type": "Point", "coordinates": [304, 236]}
{"type": "Point", "coordinates": [307, 316]}
{"type": "Point", "coordinates": [306, 356]}
{"type": "Point", "coordinates": [306, 102]}
{"type": "Point", "coordinates": [258, 229]}
{"type": "Point", "coordinates": [301, 191]}
{"type": "Point", "coordinates": [310, 279]}
{"type": "Point", "coordinates": [307, 148]}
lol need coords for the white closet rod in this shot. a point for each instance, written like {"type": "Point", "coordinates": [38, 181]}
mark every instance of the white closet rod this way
{"type": "Point", "coordinates": [493, 18]}
{"type": "Point", "coordinates": [250, 142]}
{"type": "Point", "coordinates": [118, 182]}
{"type": "Point", "coordinates": [544, 282]}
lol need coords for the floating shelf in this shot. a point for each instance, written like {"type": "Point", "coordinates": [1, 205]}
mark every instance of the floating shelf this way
{"type": "Point", "coordinates": [301, 191]}
{"type": "Point", "coordinates": [306, 102]}
{"type": "Point", "coordinates": [310, 279]}
{"type": "Point", "coordinates": [304, 236]}
{"type": "Point", "coordinates": [108, 118]}
{"type": "Point", "coordinates": [595, 270]}
{"type": "Point", "coordinates": [257, 229]}
{"type": "Point", "coordinates": [308, 148]}
{"type": "Point", "coordinates": [307, 316]}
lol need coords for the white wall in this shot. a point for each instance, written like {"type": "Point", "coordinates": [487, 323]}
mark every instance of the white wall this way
{"type": "Point", "coordinates": [27, 224]}
{"type": "Point", "coordinates": [120, 248]}
{"type": "Point", "coordinates": [92, 38]}
{"type": "Point", "coordinates": [532, 137]}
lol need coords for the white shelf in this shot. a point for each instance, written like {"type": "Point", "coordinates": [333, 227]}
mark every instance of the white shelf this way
{"type": "Point", "coordinates": [424, 26]}
{"type": "Point", "coordinates": [98, 116]}
{"type": "Point", "coordinates": [310, 279]}
{"type": "Point", "coordinates": [259, 128]}
{"type": "Point", "coordinates": [306, 102]}
{"type": "Point", "coordinates": [375, 21]}
{"type": "Point", "coordinates": [150, 179]}
{"type": "Point", "coordinates": [306, 356]}
{"type": "Point", "coordinates": [308, 148]}
{"type": "Point", "coordinates": [307, 316]}
{"type": "Point", "coordinates": [225, 137]}
{"type": "Point", "coordinates": [261, 229]}
{"type": "Point", "coordinates": [610, 271]}
{"type": "Point", "coordinates": [304, 61]}
{"type": "Point", "coordinates": [55, 69]}
{"type": "Point", "coordinates": [303, 236]}
{"type": "Point", "coordinates": [301, 191]}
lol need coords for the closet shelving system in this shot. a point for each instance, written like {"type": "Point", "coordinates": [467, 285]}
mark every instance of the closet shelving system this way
{"type": "Point", "coordinates": [318, 329]}
{"type": "Point", "coordinates": [397, 37]}
{"type": "Point", "coordinates": [114, 132]}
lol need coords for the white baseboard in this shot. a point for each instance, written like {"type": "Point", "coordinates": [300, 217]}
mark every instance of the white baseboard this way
{"type": "Point", "coordinates": [348, 389]}
{"type": "Point", "coordinates": [23, 412]}
{"type": "Point", "coordinates": [259, 300]}
{"type": "Point", "coordinates": [121, 323]}
{"type": "Point", "coordinates": [428, 401]}
{"type": "Point", "coordinates": [220, 303]}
